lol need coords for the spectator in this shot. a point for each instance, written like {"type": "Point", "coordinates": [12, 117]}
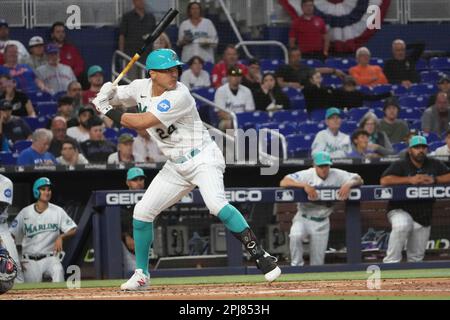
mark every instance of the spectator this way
{"type": "Point", "coordinates": [145, 149]}
{"type": "Point", "coordinates": [65, 110]}
{"type": "Point", "coordinates": [397, 130]}
{"type": "Point", "coordinates": [38, 153]}
{"type": "Point", "coordinates": [443, 86]}
{"type": "Point", "coordinates": [360, 146]}
{"type": "Point", "coordinates": [411, 220]}
{"type": "Point", "coordinates": [5, 41]}
{"type": "Point", "coordinates": [310, 33]}
{"type": "Point", "coordinates": [135, 25]}
{"type": "Point", "coordinates": [195, 77]}
{"type": "Point", "coordinates": [331, 140]}
{"type": "Point", "coordinates": [230, 59]}
{"type": "Point", "coordinates": [348, 97]}
{"type": "Point", "coordinates": [364, 73]}
{"type": "Point", "coordinates": [269, 96]}
{"type": "Point", "coordinates": [402, 68]}
{"type": "Point", "coordinates": [312, 218]}
{"type": "Point", "coordinates": [22, 106]}
{"type": "Point", "coordinates": [74, 91]}
{"type": "Point", "coordinates": [3, 79]}
{"type": "Point", "coordinates": [378, 140]}
{"type": "Point", "coordinates": [81, 132]}
{"type": "Point", "coordinates": [445, 149]}
{"type": "Point", "coordinates": [37, 56]}
{"type": "Point", "coordinates": [70, 154]}
{"type": "Point", "coordinates": [295, 74]}
{"type": "Point", "coordinates": [234, 97]}
{"type": "Point", "coordinates": [68, 53]}
{"type": "Point", "coordinates": [56, 76]}
{"type": "Point", "coordinates": [197, 35]}
{"type": "Point", "coordinates": [254, 76]}
{"type": "Point", "coordinates": [316, 95]}
{"type": "Point", "coordinates": [58, 127]}
{"type": "Point", "coordinates": [435, 118]}
{"type": "Point", "coordinates": [124, 152]}
{"type": "Point", "coordinates": [12, 128]}
{"type": "Point", "coordinates": [95, 78]}
{"type": "Point", "coordinates": [162, 42]}
{"type": "Point", "coordinates": [25, 77]}
{"type": "Point", "coordinates": [97, 149]}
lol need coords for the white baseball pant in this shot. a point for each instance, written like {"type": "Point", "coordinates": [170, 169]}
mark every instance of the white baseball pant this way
{"type": "Point", "coordinates": [406, 232]}
{"type": "Point", "coordinates": [10, 245]}
{"type": "Point", "coordinates": [174, 181]}
{"type": "Point", "coordinates": [34, 270]}
{"type": "Point", "coordinates": [317, 232]}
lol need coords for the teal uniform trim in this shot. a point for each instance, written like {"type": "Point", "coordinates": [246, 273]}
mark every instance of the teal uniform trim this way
{"type": "Point", "coordinates": [232, 219]}
{"type": "Point", "coordinates": [143, 239]}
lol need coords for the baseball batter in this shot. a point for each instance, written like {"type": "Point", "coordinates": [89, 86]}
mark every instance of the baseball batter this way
{"type": "Point", "coordinates": [312, 218]}
{"type": "Point", "coordinates": [169, 114]}
{"type": "Point", "coordinates": [38, 227]}
{"type": "Point", "coordinates": [6, 198]}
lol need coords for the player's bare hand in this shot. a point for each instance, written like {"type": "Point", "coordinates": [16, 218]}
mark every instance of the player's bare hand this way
{"type": "Point", "coordinates": [58, 244]}
{"type": "Point", "coordinates": [426, 179]}
{"type": "Point", "coordinates": [344, 191]}
{"type": "Point", "coordinates": [311, 192]}
{"type": "Point", "coordinates": [420, 179]}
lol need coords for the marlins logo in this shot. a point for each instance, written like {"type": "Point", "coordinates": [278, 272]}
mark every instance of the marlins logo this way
{"type": "Point", "coordinates": [8, 193]}
{"type": "Point", "coordinates": [163, 106]}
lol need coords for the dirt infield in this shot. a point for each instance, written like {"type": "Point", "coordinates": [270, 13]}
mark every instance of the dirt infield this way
{"type": "Point", "coordinates": [432, 287]}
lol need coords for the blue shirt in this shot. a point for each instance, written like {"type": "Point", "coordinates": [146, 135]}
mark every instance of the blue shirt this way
{"type": "Point", "coordinates": [24, 76]}
{"type": "Point", "coordinates": [30, 157]}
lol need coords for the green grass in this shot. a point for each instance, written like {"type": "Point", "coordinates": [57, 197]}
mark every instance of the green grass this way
{"type": "Point", "coordinates": [357, 275]}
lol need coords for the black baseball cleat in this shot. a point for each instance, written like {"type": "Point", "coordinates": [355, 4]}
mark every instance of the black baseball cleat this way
{"type": "Point", "coordinates": [268, 265]}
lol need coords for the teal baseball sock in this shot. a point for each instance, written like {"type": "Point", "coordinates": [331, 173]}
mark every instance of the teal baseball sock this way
{"type": "Point", "coordinates": [232, 219]}
{"type": "Point", "coordinates": [143, 239]}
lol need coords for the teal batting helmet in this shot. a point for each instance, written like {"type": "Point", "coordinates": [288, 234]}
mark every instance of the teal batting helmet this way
{"type": "Point", "coordinates": [162, 59]}
{"type": "Point", "coordinates": [39, 183]}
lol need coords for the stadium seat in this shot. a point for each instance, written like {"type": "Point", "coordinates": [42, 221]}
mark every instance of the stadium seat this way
{"type": "Point", "coordinates": [58, 95]}
{"type": "Point", "coordinates": [431, 137]}
{"type": "Point", "coordinates": [421, 89]}
{"type": "Point", "coordinates": [250, 119]}
{"type": "Point", "coordinates": [377, 62]}
{"type": "Point", "coordinates": [299, 145]}
{"type": "Point", "coordinates": [317, 115]}
{"type": "Point", "coordinates": [415, 125]}
{"type": "Point", "coordinates": [208, 66]}
{"type": "Point", "coordinates": [39, 96]}
{"type": "Point", "coordinates": [127, 130]}
{"type": "Point", "coordinates": [47, 108]}
{"type": "Point", "coordinates": [313, 63]}
{"type": "Point", "coordinates": [348, 127]}
{"type": "Point", "coordinates": [291, 92]}
{"type": "Point", "coordinates": [382, 88]}
{"type": "Point", "coordinates": [356, 114]}
{"type": "Point", "coordinates": [288, 128]}
{"type": "Point", "coordinates": [432, 76]}
{"type": "Point", "coordinates": [364, 89]}
{"type": "Point", "coordinates": [7, 158]}
{"type": "Point", "coordinates": [36, 123]}
{"type": "Point", "coordinates": [310, 127]}
{"type": "Point", "coordinates": [270, 65]}
{"type": "Point", "coordinates": [21, 145]}
{"type": "Point", "coordinates": [413, 102]}
{"type": "Point", "coordinates": [399, 146]}
{"type": "Point", "coordinates": [331, 80]}
{"type": "Point", "coordinates": [340, 63]}
{"type": "Point", "coordinates": [399, 90]}
{"type": "Point", "coordinates": [421, 65]}
{"type": "Point", "coordinates": [440, 63]}
{"type": "Point", "coordinates": [296, 98]}
{"type": "Point", "coordinates": [207, 93]}
{"type": "Point", "coordinates": [374, 104]}
{"type": "Point", "coordinates": [410, 114]}
{"type": "Point", "coordinates": [434, 145]}
{"type": "Point", "coordinates": [267, 125]}
{"type": "Point", "coordinates": [290, 115]}
{"type": "Point", "coordinates": [110, 133]}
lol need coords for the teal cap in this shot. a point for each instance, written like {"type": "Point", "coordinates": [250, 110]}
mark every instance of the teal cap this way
{"type": "Point", "coordinates": [162, 59]}
{"type": "Point", "coordinates": [93, 70]}
{"type": "Point", "coordinates": [331, 112]}
{"type": "Point", "coordinates": [322, 158]}
{"type": "Point", "coordinates": [418, 141]}
{"type": "Point", "coordinates": [134, 173]}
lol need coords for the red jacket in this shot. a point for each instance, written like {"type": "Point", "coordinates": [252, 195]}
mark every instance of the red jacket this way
{"type": "Point", "coordinates": [69, 55]}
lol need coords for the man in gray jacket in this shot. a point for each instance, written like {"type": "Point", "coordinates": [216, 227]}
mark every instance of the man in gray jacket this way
{"type": "Point", "coordinates": [435, 119]}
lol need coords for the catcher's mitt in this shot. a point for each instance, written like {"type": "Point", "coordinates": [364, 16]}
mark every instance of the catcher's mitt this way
{"type": "Point", "coordinates": [8, 271]}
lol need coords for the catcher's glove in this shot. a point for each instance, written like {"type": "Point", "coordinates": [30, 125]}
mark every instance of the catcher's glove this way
{"type": "Point", "coordinates": [8, 271]}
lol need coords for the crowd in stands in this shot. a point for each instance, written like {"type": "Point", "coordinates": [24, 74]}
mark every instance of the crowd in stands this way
{"type": "Point", "coordinates": [360, 107]}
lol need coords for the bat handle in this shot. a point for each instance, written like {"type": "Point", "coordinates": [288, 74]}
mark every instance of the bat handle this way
{"type": "Point", "coordinates": [127, 68]}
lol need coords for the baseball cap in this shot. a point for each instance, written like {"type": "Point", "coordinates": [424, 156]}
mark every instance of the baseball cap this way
{"type": "Point", "coordinates": [5, 105]}
{"type": "Point", "coordinates": [418, 141]}
{"type": "Point", "coordinates": [234, 71]}
{"type": "Point", "coordinates": [86, 108]}
{"type": "Point", "coordinates": [35, 41]}
{"type": "Point", "coordinates": [3, 23]}
{"type": "Point", "coordinates": [391, 102]}
{"type": "Point", "coordinates": [125, 137]}
{"type": "Point", "coordinates": [134, 173]}
{"type": "Point", "coordinates": [51, 48]}
{"type": "Point", "coordinates": [443, 79]}
{"type": "Point", "coordinates": [93, 70]}
{"type": "Point", "coordinates": [322, 158]}
{"type": "Point", "coordinates": [331, 112]}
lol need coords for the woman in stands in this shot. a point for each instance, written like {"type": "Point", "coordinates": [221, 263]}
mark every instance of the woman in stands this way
{"type": "Point", "coordinates": [316, 95]}
{"type": "Point", "coordinates": [269, 96]}
{"type": "Point", "coordinates": [22, 106]}
{"type": "Point", "coordinates": [378, 140]}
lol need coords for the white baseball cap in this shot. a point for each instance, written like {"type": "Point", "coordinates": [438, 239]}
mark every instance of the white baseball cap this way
{"type": "Point", "coordinates": [34, 41]}
{"type": "Point", "coordinates": [6, 190]}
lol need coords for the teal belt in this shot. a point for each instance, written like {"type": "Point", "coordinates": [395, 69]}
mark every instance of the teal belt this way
{"type": "Point", "coordinates": [316, 219]}
{"type": "Point", "coordinates": [188, 156]}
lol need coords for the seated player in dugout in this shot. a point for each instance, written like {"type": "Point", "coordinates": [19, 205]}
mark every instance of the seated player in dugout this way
{"type": "Point", "coordinates": [312, 218]}
{"type": "Point", "coordinates": [168, 112]}
{"type": "Point", "coordinates": [411, 220]}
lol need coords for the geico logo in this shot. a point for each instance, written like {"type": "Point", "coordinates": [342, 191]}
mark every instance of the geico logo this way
{"type": "Point", "coordinates": [427, 192]}
{"type": "Point", "coordinates": [123, 198]}
{"type": "Point", "coordinates": [244, 195]}
{"type": "Point", "coordinates": [333, 194]}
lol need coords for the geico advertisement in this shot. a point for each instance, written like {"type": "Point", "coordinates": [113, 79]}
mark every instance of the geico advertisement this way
{"type": "Point", "coordinates": [123, 198]}
{"type": "Point", "coordinates": [427, 192]}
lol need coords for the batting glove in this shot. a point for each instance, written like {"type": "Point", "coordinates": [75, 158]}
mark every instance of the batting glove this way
{"type": "Point", "coordinates": [101, 103]}
{"type": "Point", "coordinates": [108, 90]}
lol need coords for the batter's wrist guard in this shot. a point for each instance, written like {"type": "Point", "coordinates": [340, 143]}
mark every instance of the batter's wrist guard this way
{"type": "Point", "coordinates": [248, 239]}
{"type": "Point", "coordinates": [115, 115]}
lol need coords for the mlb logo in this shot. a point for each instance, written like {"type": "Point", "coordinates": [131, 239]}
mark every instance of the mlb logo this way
{"type": "Point", "coordinates": [189, 198]}
{"type": "Point", "coordinates": [383, 193]}
{"type": "Point", "coordinates": [284, 195]}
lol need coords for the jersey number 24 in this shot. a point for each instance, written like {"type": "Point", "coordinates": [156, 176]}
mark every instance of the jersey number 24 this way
{"type": "Point", "coordinates": [163, 134]}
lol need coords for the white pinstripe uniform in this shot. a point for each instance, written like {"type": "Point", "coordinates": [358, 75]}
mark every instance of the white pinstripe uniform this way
{"type": "Point", "coordinates": [194, 160]}
{"type": "Point", "coordinates": [312, 218]}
